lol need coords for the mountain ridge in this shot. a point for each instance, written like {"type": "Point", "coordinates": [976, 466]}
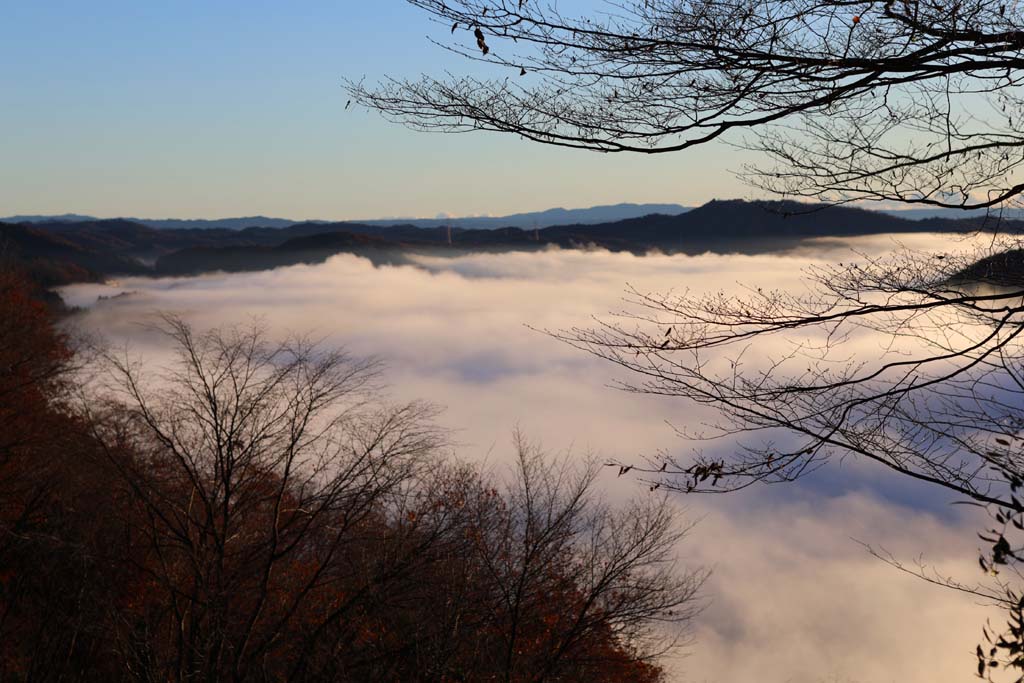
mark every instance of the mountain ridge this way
{"type": "Point", "coordinates": [604, 213]}
{"type": "Point", "coordinates": [94, 249]}
{"type": "Point", "coordinates": [542, 219]}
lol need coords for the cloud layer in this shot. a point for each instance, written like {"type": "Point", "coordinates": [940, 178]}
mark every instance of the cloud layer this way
{"type": "Point", "coordinates": [794, 598]}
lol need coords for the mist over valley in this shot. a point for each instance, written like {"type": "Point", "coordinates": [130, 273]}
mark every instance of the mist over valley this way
{"type": "Point", "coordinates": [466, 331]}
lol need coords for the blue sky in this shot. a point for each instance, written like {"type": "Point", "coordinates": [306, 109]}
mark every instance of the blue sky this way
{"type": "Point", "coordinates": [209, 109]}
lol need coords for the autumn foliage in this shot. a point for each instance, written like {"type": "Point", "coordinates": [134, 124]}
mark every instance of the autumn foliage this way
{"type": "Point", "coordinates": [257, 513]}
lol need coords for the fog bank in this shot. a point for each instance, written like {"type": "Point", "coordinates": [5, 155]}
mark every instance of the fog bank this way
{"type": "Point", "coordinates": [794, 597]}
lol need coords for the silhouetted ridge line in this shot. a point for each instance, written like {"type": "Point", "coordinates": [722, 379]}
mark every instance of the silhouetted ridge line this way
{"type": "Point", "coordinates": [118, 246]}
{"type": "Point", "coordinates": [543, 219]}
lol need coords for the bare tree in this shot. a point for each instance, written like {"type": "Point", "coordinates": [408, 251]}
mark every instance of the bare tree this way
{"type": "Point", "coordinates": [608, 571]}
{"type": "Point", "coordinates": [259, 472]}
{"type": "Point", "coordinates": [544, 581]}
{"type": "Point", "coordinates": [911, 361]}
{"type": "Point", "coordinates": [915, 102]}
{"type": "Point", "coordinates": [281, 523]}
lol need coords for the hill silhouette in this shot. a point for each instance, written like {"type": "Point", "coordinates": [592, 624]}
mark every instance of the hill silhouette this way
{"type": "Point", "coordinates": [53, 260]}
{"type": "Point", "coordinates": [1001, 270]}
{"type": "Point", "coordinates": [541, 219]}
{"type": "Point", "coordinates": [118, 246]}
{"type": "Point", "coordinates": [308, 249]}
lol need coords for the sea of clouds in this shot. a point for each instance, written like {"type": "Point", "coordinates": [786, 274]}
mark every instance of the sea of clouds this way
{"type": "Point", "coordinates": [794, 596]}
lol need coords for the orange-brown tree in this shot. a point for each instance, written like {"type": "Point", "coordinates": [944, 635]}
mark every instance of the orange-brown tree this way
{"type": "Point", "coordinates": [57, 523]}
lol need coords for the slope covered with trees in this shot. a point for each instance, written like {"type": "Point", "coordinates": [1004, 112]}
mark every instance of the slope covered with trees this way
{"type": "Point", "coordinates": [256, 513]}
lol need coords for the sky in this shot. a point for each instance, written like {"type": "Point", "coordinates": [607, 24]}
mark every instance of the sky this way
{"type": "Point", "coordinates": [794, 596]}
{"type": "Point", "coordinates": [192, 109]}
{"type": "Point", "coordinates": [207, 109]}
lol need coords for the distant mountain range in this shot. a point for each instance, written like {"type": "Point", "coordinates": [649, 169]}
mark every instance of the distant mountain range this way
{"type": "Point", "coordinates": [539, 219]}
{"type": "Point", "coordinates": [74, 249]}
{"type": "Point", "coordinates": [544, 219]}
{"type": "Point", "coordinates": [526, 221]}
